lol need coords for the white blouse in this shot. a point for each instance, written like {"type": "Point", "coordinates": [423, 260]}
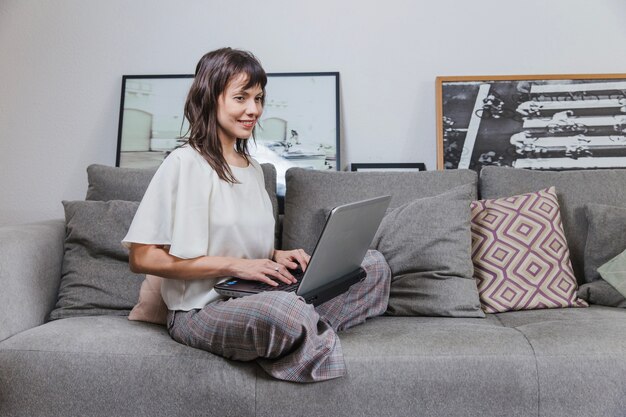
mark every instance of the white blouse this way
{"type": "Point", "coordinates": [188, 207]}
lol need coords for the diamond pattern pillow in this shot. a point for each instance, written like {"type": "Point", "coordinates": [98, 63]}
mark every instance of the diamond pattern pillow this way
{"type": "Point", "coordinates": [520, 255]}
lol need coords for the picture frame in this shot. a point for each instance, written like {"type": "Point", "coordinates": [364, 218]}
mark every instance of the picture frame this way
{"type": "Point", "coordinates": [300, 125]}
{"type": "Point", "coordinates": [543, 122]}
{"type": "Point", "coordinates": [402, 166]}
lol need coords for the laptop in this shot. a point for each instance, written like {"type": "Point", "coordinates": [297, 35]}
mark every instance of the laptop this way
{"type": "Point", "coordinates": [335, 263]}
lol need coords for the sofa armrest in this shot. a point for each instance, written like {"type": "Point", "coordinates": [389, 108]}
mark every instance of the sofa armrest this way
{"type": "Point", "coordinates": [31, 258]}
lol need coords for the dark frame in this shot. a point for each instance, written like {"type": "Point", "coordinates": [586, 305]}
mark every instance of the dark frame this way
{"type": "Point", "coordinates": [313, 141]}
{"type": "Point", "coordinates": [544, 122]}
{"type": "Point", "coordinates": [401, 166]}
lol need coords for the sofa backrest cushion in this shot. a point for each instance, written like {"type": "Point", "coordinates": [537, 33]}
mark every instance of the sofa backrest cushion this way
{"type": "Point", "coordinates": [606, 237]}
{"type": "Point", "coordinates": [312, 194]}
{"type": "Point", "coordinates": [574, 189]}
{"type": "Point", "coordinates": [117, 183]}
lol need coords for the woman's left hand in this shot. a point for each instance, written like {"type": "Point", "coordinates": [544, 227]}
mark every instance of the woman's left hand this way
{"type": "Point", "coordinates": [292, 258]}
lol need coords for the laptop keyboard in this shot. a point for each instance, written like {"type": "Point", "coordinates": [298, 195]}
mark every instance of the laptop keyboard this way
{"type": "Point", "coordinates": [282, 286]}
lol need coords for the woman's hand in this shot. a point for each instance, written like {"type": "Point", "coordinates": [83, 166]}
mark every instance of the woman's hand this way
{"type": "Point", "coordinates": [262, 270]}
{"type": "Point", "coordinates": [292, 258]}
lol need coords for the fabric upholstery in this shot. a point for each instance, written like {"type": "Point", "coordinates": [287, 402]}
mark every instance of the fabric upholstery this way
{"type": "Point", "coordinates": [96, 278]}
{"type": "Point", "coordinates": [30, 270]}
{"type": "Point", "coordinates": [614, 272]}
{"type": "Point", "coordinates": [116, 183]}
{"type": "Point", "coordinates": [427, 244]}
{"type": "Point", "coordinates": [521, 259]}
{"type": "Point", "coordinates": [575, 189]}
{"type": "Point", "coordinates": [606, 237]}
{"type": "Point", "coordinates": [94, 366]}
{"type": "Point", "coordinates": [311, 193]}
{"type": "Point", "coordinates": [602, 293]}
{"type": "Point", "coordinates": [581, 358]}
{"type": "Point", "coordinates": [418, 366]}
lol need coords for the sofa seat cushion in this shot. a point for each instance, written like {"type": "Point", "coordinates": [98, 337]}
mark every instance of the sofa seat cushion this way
{"type": "Point", "coordinates": [422, 366]}
{"type": "Point", "coordinates": [581, 358]}
{"type": "Point", "coordinates": [78, 366]}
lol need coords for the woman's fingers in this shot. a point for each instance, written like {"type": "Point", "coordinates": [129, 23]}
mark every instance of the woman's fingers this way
{"type": "Point", "coordinates": [279, 272]}
{"type": "Point", "coordinates": [302, 258]}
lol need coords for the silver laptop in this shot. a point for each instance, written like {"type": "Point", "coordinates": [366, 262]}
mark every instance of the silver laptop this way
{"type": "Point", "coordinates": [336, 260]}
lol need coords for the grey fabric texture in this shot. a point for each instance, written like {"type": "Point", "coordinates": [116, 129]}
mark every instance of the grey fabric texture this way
{"type": "Point", "coordinates": [574, 189]}
{"type": "Point", "coordinates": [311, 193]}
{"type": "Point", "coordinates": [427, 244]}
{"type": "Point", "coordinates": [130, 184]}
{"type": "Point", "coordinates": [581, 359]}
{"type": "Point", "coordinates": [30, 270]}
{"type": "Point", "coordinates": [116, 183]}
{"type": "Point", "coordinates": [606, 237]}
{"type": "Point", "coordinates": [602, 293]}
{"type": "Point", "coordinates": [418, 366]}
{"type": "Point", "coordinates": [96, 278]}
{"type": "Point", "coordinates": [94, 366]}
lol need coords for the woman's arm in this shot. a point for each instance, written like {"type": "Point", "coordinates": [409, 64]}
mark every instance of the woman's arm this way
{"type": "Point", "coordinates": [156, 260]}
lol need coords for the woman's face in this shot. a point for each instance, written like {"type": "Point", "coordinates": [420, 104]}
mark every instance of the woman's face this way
{"type": "Point", "coordinates": [238, 109]}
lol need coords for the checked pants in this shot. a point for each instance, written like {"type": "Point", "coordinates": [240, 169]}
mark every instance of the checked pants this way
{"type": "Point", "coordinates": [290, 339]}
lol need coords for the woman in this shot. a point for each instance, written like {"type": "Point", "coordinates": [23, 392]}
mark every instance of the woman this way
{"type": "Point", "coordinates": [206, 216]}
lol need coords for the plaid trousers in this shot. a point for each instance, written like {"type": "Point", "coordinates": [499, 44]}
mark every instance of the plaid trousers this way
{"type": "Point", "coordinates": [290, 339]}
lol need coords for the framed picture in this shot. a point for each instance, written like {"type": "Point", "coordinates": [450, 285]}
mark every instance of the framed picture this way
{"type": "Point", "coordinates": [299, 126]}
{"type": "Point", "coordinates": [547, 122]}
{"type": "Point", "coordinates": [409, 166]}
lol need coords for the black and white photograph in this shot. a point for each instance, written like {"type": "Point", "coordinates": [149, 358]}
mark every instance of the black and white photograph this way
{"type": "Point", "coordinates": [544, 122]}
{"type": "Point", "coordinates": [299, 126]}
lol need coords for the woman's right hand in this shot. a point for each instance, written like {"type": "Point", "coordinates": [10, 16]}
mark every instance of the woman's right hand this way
{"type": "Point", "coordinates": [263, 270]}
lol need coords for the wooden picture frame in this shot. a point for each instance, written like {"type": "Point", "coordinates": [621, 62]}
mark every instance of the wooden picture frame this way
{"type": "Point", "coordinates": [546, 122]}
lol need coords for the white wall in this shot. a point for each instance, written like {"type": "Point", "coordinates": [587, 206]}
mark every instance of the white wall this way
{"type": "Point", "coordinates": [61, 64]}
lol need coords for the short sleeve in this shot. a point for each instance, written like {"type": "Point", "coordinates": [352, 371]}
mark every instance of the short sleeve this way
{"type": "Point", "coordinates": [174, 210]}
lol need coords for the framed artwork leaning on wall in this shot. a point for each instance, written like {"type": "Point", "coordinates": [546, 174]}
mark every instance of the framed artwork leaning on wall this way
{"type": "Point", "coordinates": [546, 122]}
{"type": "Point", "coordinates": [299, 126]}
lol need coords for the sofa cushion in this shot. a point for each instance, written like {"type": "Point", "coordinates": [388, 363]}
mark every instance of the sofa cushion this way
{"type": "Point", "coordinates": [601, 293]}
{"type": "Point", "coordinates": [614, 272]}
{"type": "Point", "coordinates": [418, 366]}
{"type": "Point", "coordinates": [575, 189]}
{"type": "Point", "coordinates": [130, 184]}
{"type": "Point", "coordinates": [104, 365]}
{"type": "Point", "coordinates": [606, 237]}
{"type": "Point", "coordinates": [581, 358]}
{"type": "Point", "coordinates": [96, 278]}
{"type": "Point", "coordinates": [427, 244]}
{"type": "Point", "coordinates": [117, 183]}
{"type": "Point", "coordinates": [310, 195]}
{"type": "Point", "coordinates": [521, 259]}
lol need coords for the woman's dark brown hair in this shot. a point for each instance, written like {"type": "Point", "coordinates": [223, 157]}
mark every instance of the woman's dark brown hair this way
{"type": "Point", "coordinates": [213, 73]}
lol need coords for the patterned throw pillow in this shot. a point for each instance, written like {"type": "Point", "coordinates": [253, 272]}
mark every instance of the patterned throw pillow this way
{"type": "Point", "coordinates": [521, 259]}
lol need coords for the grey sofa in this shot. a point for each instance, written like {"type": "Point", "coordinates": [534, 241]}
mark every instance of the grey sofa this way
{"type": "Point", "coordinates": [553, 362]}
